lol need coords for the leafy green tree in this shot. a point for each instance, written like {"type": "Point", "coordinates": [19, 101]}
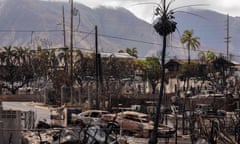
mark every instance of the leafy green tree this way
{"type": "Point", "coordinates": [191, 42]}
{"type": "Point", "coordinates": [114, 68]}
{"type": "Point", "coordinates": [116, 73]}
{"type": "Point", "coordinates": [39, 61]}
{"type": "Point", "coordinates": [206, 67]}
{"type": "Point", "coordinates": [190, 70]}
{"type": "Point", "coordinates": [16, 70]}
{"type": "Point", "coordinates": [219, 73]}
{"type": "Point", "coordinates": [152, 70]}
{"type": "Point", "coordinates": [84, 68]}
{"type": "Point", "coordinates": [46, 65]}
{"type": "Point", "coordinates": [113, 71]}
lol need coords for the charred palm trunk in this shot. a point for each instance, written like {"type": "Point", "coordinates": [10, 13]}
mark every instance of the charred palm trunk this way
{"type": "Point", "coordinates": [153, 139]}
{"type": "Point", "coordinates": [164, 26]}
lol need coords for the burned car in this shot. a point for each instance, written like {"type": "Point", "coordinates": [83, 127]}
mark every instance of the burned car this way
{"type": "Point", "coordinates": [137, 124]}
{"type": "Point", "coordinates": [90, 117]}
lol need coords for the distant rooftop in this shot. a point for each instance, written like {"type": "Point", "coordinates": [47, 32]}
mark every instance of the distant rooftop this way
{"type": "Point", "coordinates": [117, 55]}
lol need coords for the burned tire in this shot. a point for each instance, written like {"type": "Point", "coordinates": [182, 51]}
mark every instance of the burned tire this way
{"type": "Point", "coordinates": [113, 127]}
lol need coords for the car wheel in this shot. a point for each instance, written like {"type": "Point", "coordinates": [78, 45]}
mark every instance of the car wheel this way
{"type": "Point", "coordinates": [114, 127]}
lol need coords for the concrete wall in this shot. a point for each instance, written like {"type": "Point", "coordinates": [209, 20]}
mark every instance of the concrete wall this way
{"type": "Point", "coordinates": [11, 126]}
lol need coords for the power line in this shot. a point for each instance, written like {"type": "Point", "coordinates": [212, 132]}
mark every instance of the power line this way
{"type": "Point", "coordinates": [87, 34]}
{"type": "Point", "coordinates": [128, 39]}
{"type": "Point", "coordinates": [108, 36]}
{"type": "Point", "coordinates": [30, 31]}
{"type": "Point", "coordinates": [146, 42]}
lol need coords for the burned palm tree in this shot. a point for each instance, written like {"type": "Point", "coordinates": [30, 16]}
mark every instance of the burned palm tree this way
{"type": "Point", "coordinates": [164, 25]}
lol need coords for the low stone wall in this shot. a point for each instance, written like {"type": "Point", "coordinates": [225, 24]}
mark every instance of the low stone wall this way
{"type": "Point", "coordinates": [24, 97]}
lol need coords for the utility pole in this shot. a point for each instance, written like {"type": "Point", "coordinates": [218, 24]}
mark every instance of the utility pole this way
{"type": "Point", "coordinates": [97, 69]}
{"type": "Point", "coordinates": [63, 24]}
{"type": "Point", "coordinates": [71, 53]}
{"type": "Point", "coordinates": [227, 38]}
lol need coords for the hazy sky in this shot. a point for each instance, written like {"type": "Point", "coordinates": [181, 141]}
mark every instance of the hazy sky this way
{"type": "Point", "coordinates": [145, 11]}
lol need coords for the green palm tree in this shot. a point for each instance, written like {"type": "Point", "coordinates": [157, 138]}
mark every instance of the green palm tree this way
{"type": "Point", "coordinates": [8, 55]}
{"type": "Point", "coordinates": [64, 57]}
{"type": "Point", "coordinates": [207, 56]}
{"type": "Point", "coordinates": [22, 54]}
{"type": "Point", "coordinates": [40, 62]}
{"type": "Point", "coordinates": [191, 42]}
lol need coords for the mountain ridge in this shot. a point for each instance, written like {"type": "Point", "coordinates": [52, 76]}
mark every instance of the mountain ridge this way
{"type": "Point", "coordinates": [26, 22]}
